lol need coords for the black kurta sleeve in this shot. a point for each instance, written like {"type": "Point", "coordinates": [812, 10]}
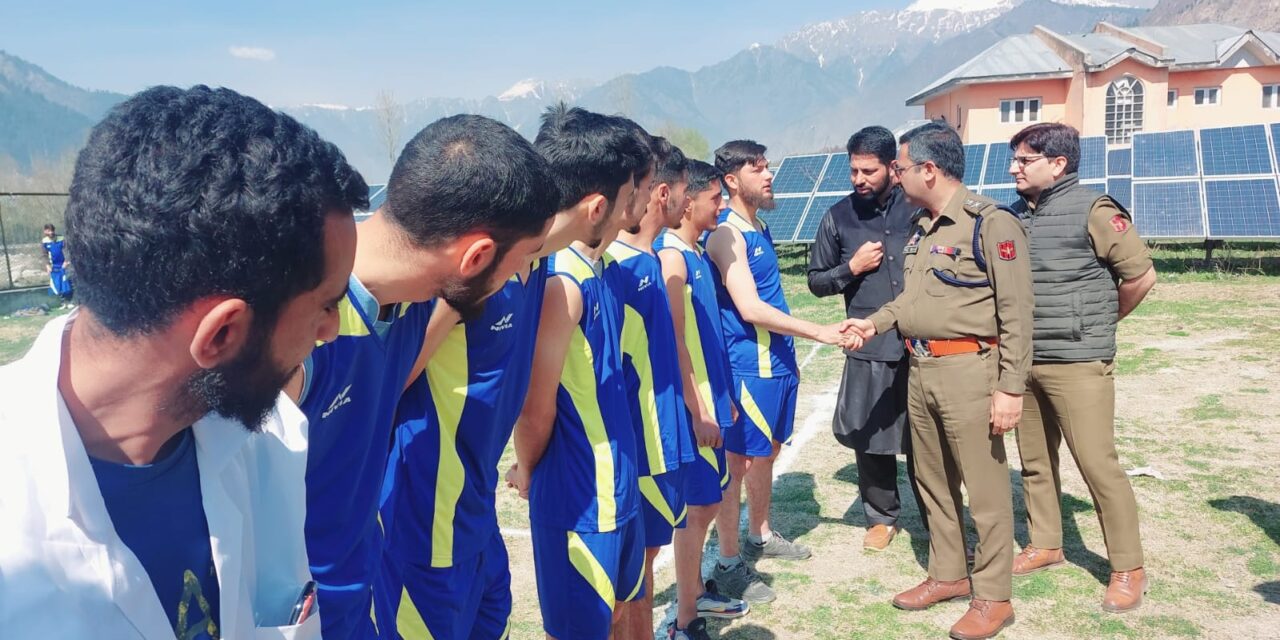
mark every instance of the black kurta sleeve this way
{"type": "Point", "coordinates": [829, 272]}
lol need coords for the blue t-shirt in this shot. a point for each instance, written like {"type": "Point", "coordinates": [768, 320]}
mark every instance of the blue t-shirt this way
{"type": "Point", "coordinates": [655, 394]}
{"type": "Point", "coordinates": [702, 333]}
{"type": "Point", "coordinates": [586, 480]}
{"type": "Point", "coordinates": [54, 247]}
{"type": "Point", "coordinates": [349, 397]}
{"type": "Point", "coordinates": [158, 511]}
{"type": "Point", "coordinates": [755, 352]}
{"type": "Point", "coordinates": [452, 425]}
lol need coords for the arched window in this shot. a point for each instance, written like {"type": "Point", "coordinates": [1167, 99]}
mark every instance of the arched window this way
{"type": "Point", "coordinates": [1124, 109]}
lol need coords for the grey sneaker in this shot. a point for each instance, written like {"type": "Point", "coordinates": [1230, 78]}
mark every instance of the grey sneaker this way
{"type": "Point", "coordinates": [741, 581]}
{"type": "Point", "coordinates": [713, 604]}
{"type": "Point", "coordinates": [777, 547]}
{"type": "Point", "coordinates": [697, 630]}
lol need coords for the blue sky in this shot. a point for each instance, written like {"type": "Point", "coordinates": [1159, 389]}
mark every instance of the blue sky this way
{"type": "Point", "coordinates": [288, 53]}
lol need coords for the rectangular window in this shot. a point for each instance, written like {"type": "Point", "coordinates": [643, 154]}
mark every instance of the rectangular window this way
{"type": "Point", "coordinates": [1271, 96]}
{"type": "Point", "coordinates": [1020, 110]}
{"type": "Point", "coordinates": [1173, 98]}
{"type": "Point", "coordinates": [1207, 95]}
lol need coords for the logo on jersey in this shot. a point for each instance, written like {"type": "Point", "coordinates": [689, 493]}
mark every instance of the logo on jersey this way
{"type": "Point", "coordinates": [502, 324]}
{"type": "Point", "coordinates": [341, 400]}
{"type": "Point", "coordinates": [644, 283]}
{"type": "Point", "coordinates": [595, 311]}
{"type": "Point", "coordinates": [697, 275]}
{"type": "Point", "coordinates": [758, 252]}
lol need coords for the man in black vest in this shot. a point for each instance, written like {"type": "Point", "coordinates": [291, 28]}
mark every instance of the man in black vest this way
{"type": "Point", "coordinates": [858, 252]}
{"type": "Point", "coordinates": [1090, 269]}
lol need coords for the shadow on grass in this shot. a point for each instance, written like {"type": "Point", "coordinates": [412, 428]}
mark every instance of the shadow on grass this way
{"type": "Point", "coordinates": [744, 632]}
{"type": "Point", "coordinates": [1266, 515]}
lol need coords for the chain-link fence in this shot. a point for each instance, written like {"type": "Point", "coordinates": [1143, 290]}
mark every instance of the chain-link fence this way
{"type": "Point", "coordinates": [22, 219]}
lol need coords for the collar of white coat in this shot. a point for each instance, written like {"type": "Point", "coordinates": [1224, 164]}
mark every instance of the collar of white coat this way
{"type": "Point", "coordinates": [218, 439]}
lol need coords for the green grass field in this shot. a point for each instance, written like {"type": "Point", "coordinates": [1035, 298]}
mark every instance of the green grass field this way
{"type": "Point", "coordinates": [1196, 403]}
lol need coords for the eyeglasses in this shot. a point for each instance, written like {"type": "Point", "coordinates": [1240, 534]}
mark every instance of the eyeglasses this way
{"type": "Point", "coordinates": [1023, 161]}
{"type": "Point", "coordinates": [898, 169]}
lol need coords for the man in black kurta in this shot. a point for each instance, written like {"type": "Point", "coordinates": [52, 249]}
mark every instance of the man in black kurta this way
{"type": "Point", "coordinates": [858, 252]}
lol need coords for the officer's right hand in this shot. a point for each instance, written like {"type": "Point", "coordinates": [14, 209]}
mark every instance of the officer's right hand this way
{"type": "Point", "coordinates": [866, 258]}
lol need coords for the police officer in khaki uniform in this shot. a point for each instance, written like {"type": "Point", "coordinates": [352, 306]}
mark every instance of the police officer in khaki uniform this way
{"type": "Point", "coordinates": [1090, 270]}
{"type": "Point", "coordinates": [966, 317]}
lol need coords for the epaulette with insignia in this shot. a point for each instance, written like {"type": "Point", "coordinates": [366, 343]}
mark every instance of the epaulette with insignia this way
{"type": "Point", "coordinates": [975, 206]}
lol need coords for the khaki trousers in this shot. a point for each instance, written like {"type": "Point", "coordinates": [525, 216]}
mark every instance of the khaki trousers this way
{"type": "Point", "coordinates": [1076, 401]}
{"type": "Point", "coordinates": [949, 401]}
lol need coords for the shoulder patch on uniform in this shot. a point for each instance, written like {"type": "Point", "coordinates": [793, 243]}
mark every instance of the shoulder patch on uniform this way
{"type": "Point", "coordinates": [1119, 223]}
{"type": "Point", "coordinates": [1008, 251]}
{"type": "Point", "coordinates": [978, 206]}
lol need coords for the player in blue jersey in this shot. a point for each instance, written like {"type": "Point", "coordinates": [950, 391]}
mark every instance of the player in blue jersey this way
{"type": "Point", "coordinates": [443, 547]}
{"type": "Point", "coordinates": [575, 446]}
{"type": "Point", "coordinates": [708, 397]}
{"type": "Point", "coordinates": [654, 393]}
{"type": "Point", "coordinates": [56, 264]}
{"type": "Point", "coordinates": [758, 329]}
{"type": "Point", "coordinates": [467, 205]}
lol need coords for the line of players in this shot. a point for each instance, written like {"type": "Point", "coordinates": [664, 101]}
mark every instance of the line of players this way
{"type": "Point", "coordinates": [643, 379]}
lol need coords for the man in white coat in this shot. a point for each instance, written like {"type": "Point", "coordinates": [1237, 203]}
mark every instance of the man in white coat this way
{"type": "Point", "coordinates": [151, 477]}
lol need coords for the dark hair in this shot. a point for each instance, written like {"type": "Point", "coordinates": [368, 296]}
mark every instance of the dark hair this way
{"type": "Point", "coordinates": [647, 155]}
{"type": "Point", "coordinates": [469, 173]}
{"type": "Point", "coordinates": [703, 176]}
{"type": "Point", "coordinates": [1053, 140]}
{"type": "Point", "coordinates": [669, 160]}
{"type": "Point", "coordinates": [937, 143]}
{"type": "Point", "coordinates": [735, 154]}
{"type": "Point", "coordinates": [49, 227]}
{"type": "Point", "coordinates": [874, 141]}
{"type": "Point", "coordinates": [588, 153]}
{"type": "Point", "coordinates": [181, 194]}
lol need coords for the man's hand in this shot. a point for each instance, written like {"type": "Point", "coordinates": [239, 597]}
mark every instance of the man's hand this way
{"type": "Point", "coordinates": [862, 327]}
{"type": "Point", "coordinates": [832, 333]}
{"type": "Point", "coordinates": [866, 258]}
{"type": "Point", "coordinates": [1006, 412]}
{"type": "Point", "coordinates": [518, 479]}
{"type": "Point", "coordinates": [706, 431]}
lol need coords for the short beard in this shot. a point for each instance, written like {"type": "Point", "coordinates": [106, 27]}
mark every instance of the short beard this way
{"type": "Point", "coordinates": [468, 296]}
{"type": "Point", "coordinates": [874, 196]}
{"type": "Point", "coordinates": [244, 389]}
{"type": "Point", "coordinates": [759, 200]}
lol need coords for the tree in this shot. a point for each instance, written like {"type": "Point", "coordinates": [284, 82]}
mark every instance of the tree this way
{"type": "Point", "coordinates": [390, 123]}
{"type": "Point", "coordinates": [689, 140]}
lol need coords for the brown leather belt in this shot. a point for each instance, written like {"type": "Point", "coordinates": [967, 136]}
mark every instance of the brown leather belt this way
{"type": "Point", "coordinates": [949, 347]}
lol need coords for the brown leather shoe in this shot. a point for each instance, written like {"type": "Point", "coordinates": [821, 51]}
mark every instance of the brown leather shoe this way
{"type": "Point", "coordinates": [931, 592]}
{"type": "Point", "coordinates": [984, 619]}
{"type": "Point", "coordinates": [879, 537]}
{"type": "Point", "coordinates": [1125, 591]}
{"type": "Point", "coordinates": [1033, 559]}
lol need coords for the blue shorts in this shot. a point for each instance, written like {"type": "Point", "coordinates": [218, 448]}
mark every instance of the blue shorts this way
{"type": "Point", "coordinates": [346, 611]}
{"type": "Point", "coordinates": [582, 576]}
{"type": "Point", "coordinates": [469, 600]}
{"type": "Point", "coordinates": [767, 415]}
{"type": "Point", "coordinates": [662, 506]}
{"type": "Point", "coordinates": [706, 478]}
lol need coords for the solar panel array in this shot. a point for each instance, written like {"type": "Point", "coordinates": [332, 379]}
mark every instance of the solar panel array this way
{"type": "Point", "coordinates": [804, 188]}
{"type": "Point", "coordinates": [1219, 183]}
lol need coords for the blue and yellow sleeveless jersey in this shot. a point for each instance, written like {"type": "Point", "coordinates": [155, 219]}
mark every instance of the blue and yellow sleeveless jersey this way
{"type": "Point", "coordinates": [655, 394]}
{"type": "Point", "coordinates": [438, 503]}
{"type": "Point", "coordinates": [586, 480]}
{"type": "Point", "coordinates": [702, 332]}
{"type": "Point", "coordinates": [755, 352]}
{"type": "Point", "coordinates": [352, 386]}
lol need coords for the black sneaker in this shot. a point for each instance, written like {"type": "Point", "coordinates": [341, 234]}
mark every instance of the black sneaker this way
{"type": "Point", "coordinates": [777, 547]}
{"type": "Point", "coordinates": [741, 581]}
{"type": "Point", "coordinates": [697, 630]}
